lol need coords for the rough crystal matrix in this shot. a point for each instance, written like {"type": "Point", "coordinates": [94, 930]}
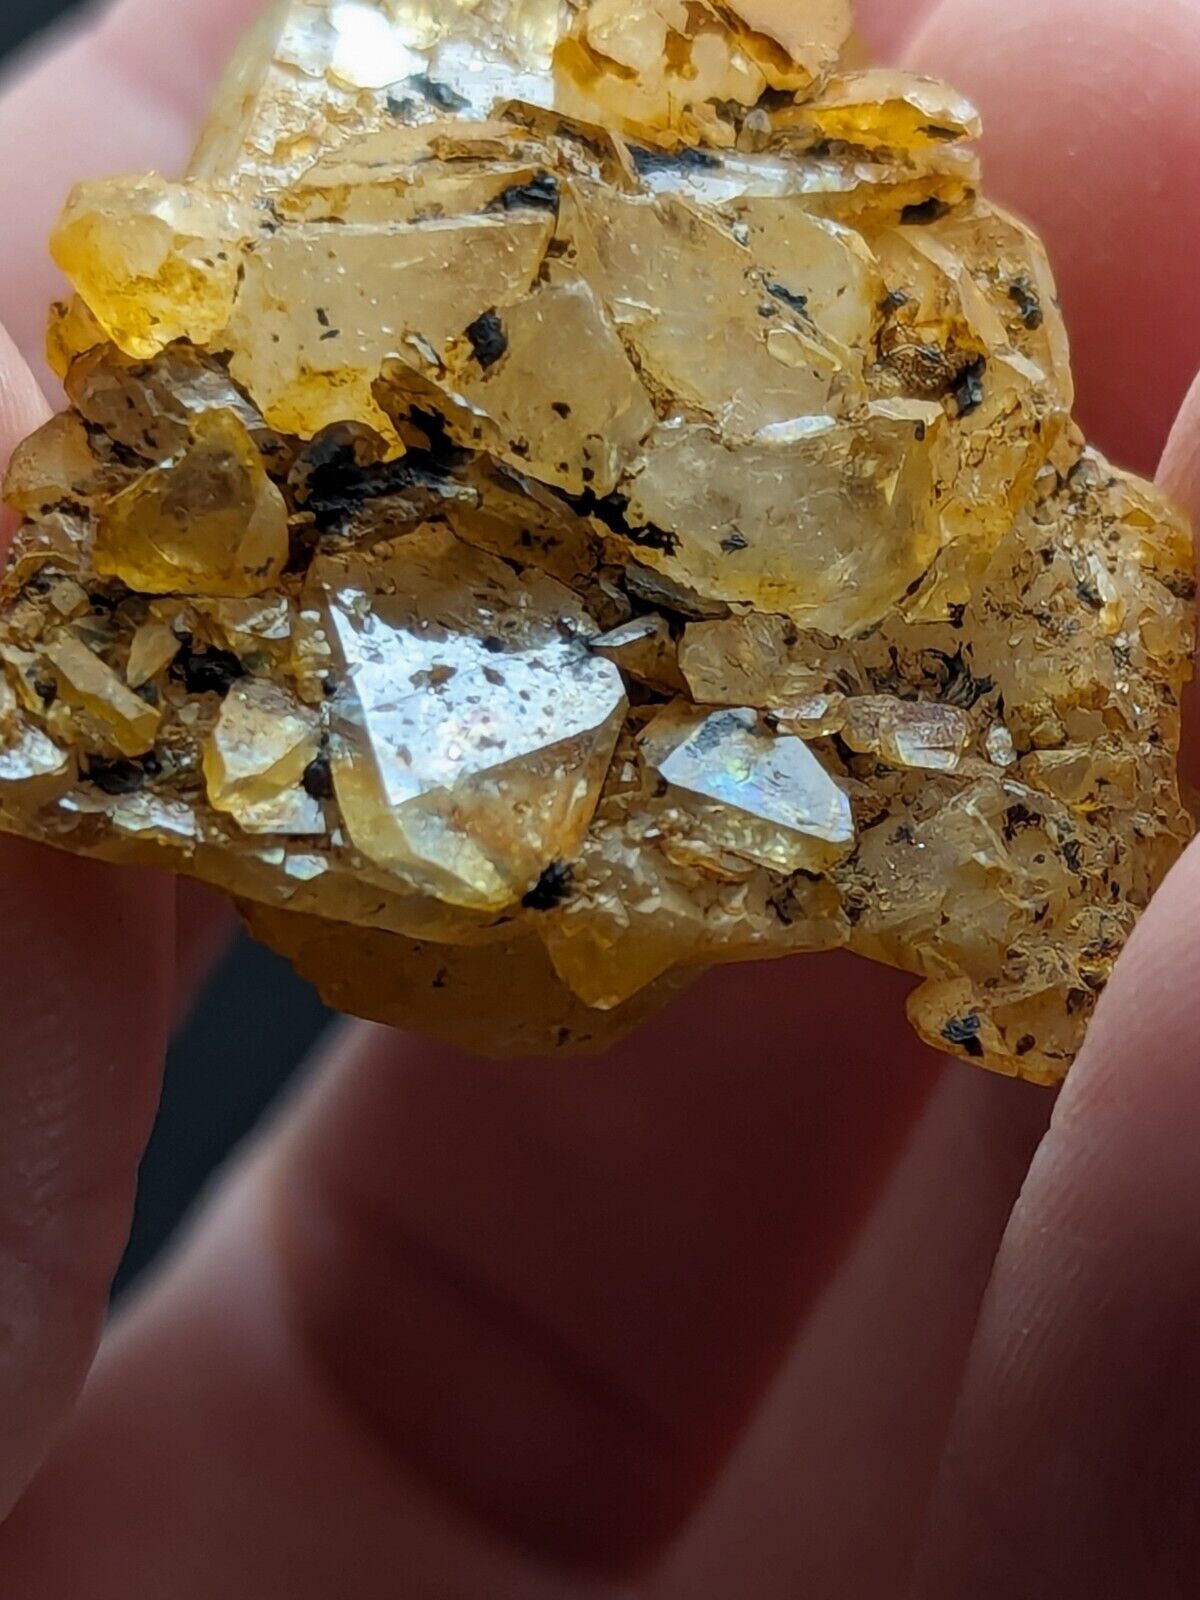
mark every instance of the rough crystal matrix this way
{"type": "Point", "coordinates": [566, 494]}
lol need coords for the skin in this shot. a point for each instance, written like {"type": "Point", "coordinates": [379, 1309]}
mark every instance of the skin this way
{"type": "Point", "coordinates": [770, 1302]}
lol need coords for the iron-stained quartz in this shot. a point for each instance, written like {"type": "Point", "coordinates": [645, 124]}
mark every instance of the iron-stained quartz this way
{"type": "Point", "coordinates": [564, 493]}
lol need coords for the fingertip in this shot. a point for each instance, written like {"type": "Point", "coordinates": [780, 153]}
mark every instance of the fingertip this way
{"type": "Point", "coordinates": [87, 950]}
{"type": "Point", "coordinates": [1179, 470]}
{"type": "Point", "coordinates": [23, 407]}
{"type": "Point", "coordinates": [1069, 1471]}
{"type": "Point", "coordinates": [181, 64]}
{"type": "Point", "coordinates": [1179, 478]}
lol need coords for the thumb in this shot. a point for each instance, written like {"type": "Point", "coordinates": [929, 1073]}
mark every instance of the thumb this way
{"type": "Point", "coordinates": [85, 967]}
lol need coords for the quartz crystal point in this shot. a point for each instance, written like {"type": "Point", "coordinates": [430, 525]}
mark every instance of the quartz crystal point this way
{"type": "Point", "coordinates": [564, 494]}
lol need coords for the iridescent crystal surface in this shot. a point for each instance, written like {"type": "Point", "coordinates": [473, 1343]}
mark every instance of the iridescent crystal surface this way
{"type": "Point", "coordinates": [565, 494]}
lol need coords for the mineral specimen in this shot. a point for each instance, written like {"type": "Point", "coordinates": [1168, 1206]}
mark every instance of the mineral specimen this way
{"type": "Point", "coordinates": [565, 494]}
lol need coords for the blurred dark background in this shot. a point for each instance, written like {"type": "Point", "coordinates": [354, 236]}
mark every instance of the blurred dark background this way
{"type": "Point", "coordinates": [255, 1022]}
{"type": "Point", "coordinates": [21, 18]}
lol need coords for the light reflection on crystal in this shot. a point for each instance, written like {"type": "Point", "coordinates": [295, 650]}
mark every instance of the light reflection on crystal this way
{"type": "Point", "coordinates": [88, 683]}
{"type": "Point", "coordinates": [25, 751]}
{"type": "Point", "coordinates": [469, 740]}
{"type": "Point", "coordinates": [145, 814]}
{"type": "Point", "coordinates": [644, 650]}
{"type": "Point", "coordinates": [263, 743]}
{"type": "Point", "coordinates": [369, 51]}
{"type": "Point", "coordinates": [787, 806]}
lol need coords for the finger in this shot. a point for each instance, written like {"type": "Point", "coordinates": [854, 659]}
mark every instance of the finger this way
{"type": "Point", "coordinates": [123, 93]}
{"type": "Point", "coordinates": [1179, 475]}
{"type": "Point", "coordinates": [828, 1491]}
{"type": "Point", "coordinates": [1179, 470]}
{"type": "Point", "coordinates": [85, 952]}
{"type": "Point", "coordinates": [87, 963]}
{"type": "Point", "coordinates": [547, 1292]}
{"type": "Point", "coordinates": [23, 407]}
{"type": "Point", "coordinates": [885, 25]}
{"type": "Point", "coordinates": [229, 1468]}
{"type": "Point", "coordinates": [1071, 1466]}
{"type": "Point", "coordinates": [1099, 158]}
{"type": "Point", "coordinates": [1071, 1470]}
{"type": "Point", "coordinates": [622, 1258]}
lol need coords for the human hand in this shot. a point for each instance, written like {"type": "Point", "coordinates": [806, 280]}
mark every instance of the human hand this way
{"type": "Point", "coordinates": [459, 1331]}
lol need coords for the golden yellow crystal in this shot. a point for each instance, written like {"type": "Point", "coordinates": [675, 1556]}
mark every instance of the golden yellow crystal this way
{"type": "Point", "coordinates": [208, 521]}
{"type": "Point", "coordinates": [563, 494]}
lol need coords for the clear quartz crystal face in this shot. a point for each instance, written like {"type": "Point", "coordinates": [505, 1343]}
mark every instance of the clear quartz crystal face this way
{"type": "Point", "coordinates": [767, 790]}
{"type": "Point", "coordinates": [565, 493]}
{"type": "Point", "coordinates": [472, 727]}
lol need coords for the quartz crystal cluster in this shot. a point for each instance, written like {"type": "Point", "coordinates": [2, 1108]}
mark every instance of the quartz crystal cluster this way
{"type": "Point", "coordinates": [563, 495]}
